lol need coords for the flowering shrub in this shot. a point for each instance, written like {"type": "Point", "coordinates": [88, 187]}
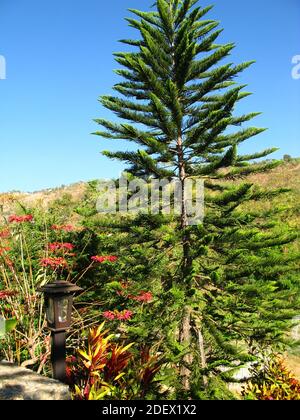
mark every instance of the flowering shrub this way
{"type": "Point", "coordinates": [110, 370]}
{"type": "Point", "coordinates": [272, 381]}
{"type": "Point", "coordinates": [30, 256]}
{"type": "Point", "coordinates": [34, 251]}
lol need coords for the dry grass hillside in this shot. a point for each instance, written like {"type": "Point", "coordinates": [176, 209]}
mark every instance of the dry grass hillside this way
{"type": "Point", "coordinates": [9, 201]}
{"type": "Point", "coordinates": [286, 176]}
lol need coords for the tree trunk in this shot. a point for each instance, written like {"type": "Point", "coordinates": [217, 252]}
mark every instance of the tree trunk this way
{"type": "Point", "coordinates": [185, 339]}
{"type": "Point", "coordinates": [202, 354]}
{"type": "Point", "coordinates": [185, 327]}
{"type": "Point", "coordinates": [183, 216]}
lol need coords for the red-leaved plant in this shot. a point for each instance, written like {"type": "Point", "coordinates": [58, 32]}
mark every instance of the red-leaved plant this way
{"type": "Point", "coordinates": [272, 381]}
{"type": "Point", "coordinates": [107, 369]}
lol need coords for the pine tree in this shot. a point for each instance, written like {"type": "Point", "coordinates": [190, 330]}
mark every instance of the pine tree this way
{"type": "Point", "coordinates": [178, 98]}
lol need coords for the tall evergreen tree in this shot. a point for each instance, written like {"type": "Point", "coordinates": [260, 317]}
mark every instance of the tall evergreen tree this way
{"type": "Point", "coordinates": [178, 99]}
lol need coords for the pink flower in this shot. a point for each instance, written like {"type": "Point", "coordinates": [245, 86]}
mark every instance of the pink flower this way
{"type": "Point", "coordinates": [53, 263]}
{"type": "Point", "coordinates": [99, 259]}
{"type": "Point", "coordinates": [20, 219]}
{"type": "Point", "coordinates": [109, 315]}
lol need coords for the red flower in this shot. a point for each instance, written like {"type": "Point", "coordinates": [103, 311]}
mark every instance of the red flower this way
{"type": "Point", "coordinates": [141, 297]}
{"type": "Point", "coordinates": [54, 262]}
{"type": "Point", "coordinates": [110, 258]}
{"type": "Point", "coordinates": [144, 297]}
{"type": "Point", "coordinates": [121, 316]}
{"type": "Point", "coordinates": [20, 219]}
{"type": "Point", "coordinates": [6, 293]}
{"type": "Point", "coordinates": [66, 228]}
{"type": "Point", "coordinates": [4, 234]}
{"type": "Point", "coordinates": [57, 246]}
{"type": "Point", "coordinates": [124, 315]}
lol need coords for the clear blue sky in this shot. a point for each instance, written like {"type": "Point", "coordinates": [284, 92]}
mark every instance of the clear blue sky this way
{"type": "Point", "coordinates": [59, 60]}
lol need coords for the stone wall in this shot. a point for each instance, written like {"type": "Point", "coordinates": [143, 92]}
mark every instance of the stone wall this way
{"type": "Point", "coordinates": [22, 384]}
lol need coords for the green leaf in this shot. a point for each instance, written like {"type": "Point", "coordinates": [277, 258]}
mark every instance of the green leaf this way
{"type": "Point", "coordinates": [9, 325]}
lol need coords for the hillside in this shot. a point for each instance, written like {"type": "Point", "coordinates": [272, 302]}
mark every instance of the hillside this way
{"type": "Point", "coordinates": [44, 198]}
{"type": "Point", "coordinates": [285, 176]}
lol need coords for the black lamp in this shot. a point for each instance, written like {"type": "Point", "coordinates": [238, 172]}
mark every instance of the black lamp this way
{"type": "Point", "coordinates": [59, 302]}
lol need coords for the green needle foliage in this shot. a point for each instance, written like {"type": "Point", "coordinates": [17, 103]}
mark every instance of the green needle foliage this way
{"type": "Point", "coordinates": [224, 286]}
{"type": "Point", "coordinates": [180, 96]}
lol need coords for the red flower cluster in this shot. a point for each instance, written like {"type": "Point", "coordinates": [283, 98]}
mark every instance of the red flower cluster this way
{"type": "Point", "coordinates": [121, 316]}
{"type": "Point", "coordinates": [20, 219]}
{"type": "Point", "coordinates": [53, 262]}
{"type": "Point", "coordinates": [6, 293]}
{"type": "Point", "coordinates": [143, 297]}
{"type": "Point", "coordinates": [110, 258]}
{"type": "Point", "coordinates": [59, 246]}
{"type": "Point", "coordinates": [66, 228]}
{"type": "Point", "coordinates": [4, 234]}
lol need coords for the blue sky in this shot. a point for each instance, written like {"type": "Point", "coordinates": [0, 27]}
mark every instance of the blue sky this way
{"type": "Point", "coordinates": [59, 60]}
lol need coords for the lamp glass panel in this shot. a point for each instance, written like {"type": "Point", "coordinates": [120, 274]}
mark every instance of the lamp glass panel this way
{"type": "Point", "coordinates": [50, 311]}
{"type": "Point", "coordinates": [62, 309]}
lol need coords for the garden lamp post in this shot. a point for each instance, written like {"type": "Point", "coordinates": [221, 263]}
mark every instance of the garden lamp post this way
{"type": "Point", "coordinates": [59, 301]}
